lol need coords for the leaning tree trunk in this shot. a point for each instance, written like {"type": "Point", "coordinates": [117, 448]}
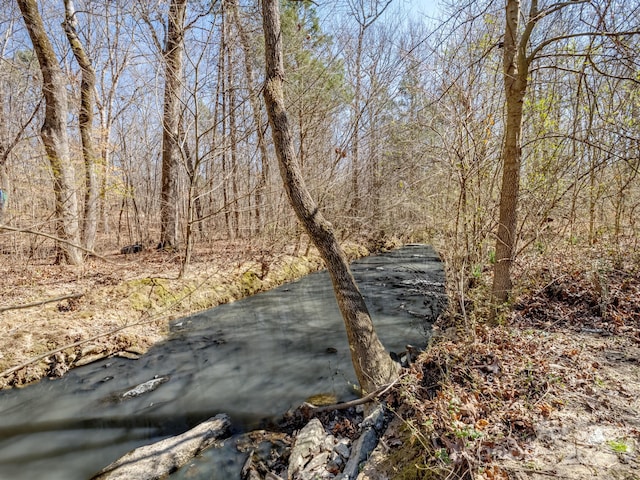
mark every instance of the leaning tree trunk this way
{"type": "Point", "coordinates": [54, 135]}
{"type": "Point", "coordinates": [85, 120]}
{"type": "Point", "coordinates": [170, 136]}
{"type": "Point", "coordinates": [371, 362]}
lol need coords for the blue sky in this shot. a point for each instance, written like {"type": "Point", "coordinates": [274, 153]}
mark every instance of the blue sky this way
{"type": "Point", "coordinates": [428, 7]}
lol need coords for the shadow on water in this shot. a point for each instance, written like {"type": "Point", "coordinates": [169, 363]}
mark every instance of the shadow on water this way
{"type": "Point", "coordinates": [252, 359]}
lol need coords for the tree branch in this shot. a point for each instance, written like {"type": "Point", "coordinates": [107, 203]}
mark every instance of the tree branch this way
{"type": "Point", "coordinates": [5, 151]}
{"type": "Point", "coordinates": [311, 410]}
{"type": "Point", "coordinates": [559, 6]}
{"type": "Point", "coordinates": [41, 302]}
{"type": "Point", "coordinates": [609, 75]}
{"type": "Point", "coordinates": [58, 239]}
{"type": "Point", "coordinates": [544, 44]}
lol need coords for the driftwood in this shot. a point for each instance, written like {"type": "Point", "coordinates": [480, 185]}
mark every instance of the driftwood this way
{"type": "Point", "coordinates": [41, 302]}
{"type": "Point", "coordinates": [158, 460]}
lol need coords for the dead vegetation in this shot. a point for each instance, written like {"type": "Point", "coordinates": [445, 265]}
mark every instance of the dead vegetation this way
{"type": "Point", "coordinates": [552, 393]}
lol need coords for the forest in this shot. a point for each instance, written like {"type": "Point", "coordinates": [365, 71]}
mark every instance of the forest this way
{"type": "Point", "coordinates": [142, 179]}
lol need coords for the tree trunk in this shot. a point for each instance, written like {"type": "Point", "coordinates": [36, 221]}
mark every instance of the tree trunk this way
{"type": "Point", "coordinates": [54, 135]}
{"type": "Point", "coordinates": [355, 144]}
{"type": "Point", "coordinates": [170, 137]}
{"type": "Point", "coordinates": [233, 139]}
{"type": "Point", "coordinates": [85, 120]}
{"type": "Point", "coordinates": [371, 362]}
{"type": "Point", "coordinates": [257, 118]}
{"type": "Point", "coordinates": [193, 206]}
{"type": "Point", "coordinates": [223, 82]}
{"type": "Point", "coordinates": [516, 70]}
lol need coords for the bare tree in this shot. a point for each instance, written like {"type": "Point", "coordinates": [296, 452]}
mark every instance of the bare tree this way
{"type": "Point", "coordinates": [371, 362]}
{"type": "Point", "coordinates": [54, 134]}
{"type": "Point", "coordinates": [171, 157]}
{"type": "Point", "coordinates": [365, 13]}
{"type": "Point", "coordinates": [256, 115]}
{"type": "Point", "coordinates": [85, 120]}
{"type": "Point", "coordinates": [520, 51]}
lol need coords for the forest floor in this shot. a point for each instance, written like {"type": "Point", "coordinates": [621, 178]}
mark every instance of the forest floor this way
{"type": "Point", "coordinates": [552, 392]}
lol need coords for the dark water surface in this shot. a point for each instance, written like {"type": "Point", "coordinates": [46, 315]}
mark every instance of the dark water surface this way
{"type": "Point", "coordinates": [252, 359]}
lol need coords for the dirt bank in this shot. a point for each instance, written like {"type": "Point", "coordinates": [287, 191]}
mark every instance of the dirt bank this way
{"type": "Point", "coordinates": [554, 392]}
{"type": "Point", "coordinates": [121, 304]}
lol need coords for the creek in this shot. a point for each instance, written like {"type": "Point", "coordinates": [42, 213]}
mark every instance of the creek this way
{"type": "Point", "coordinates": [253, 359]}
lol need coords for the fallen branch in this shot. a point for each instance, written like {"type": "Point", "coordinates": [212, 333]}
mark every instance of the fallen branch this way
{"type": "Point", "coordinates": [61, 240]}
{"type": "Point", "coordinates": [358, 401]}
{"type": "Point", "coordinates": [41, 302]}
{"type": "Point", "coordinates": [145, 319]}
{"type": "Point", "coordinates": [42, 356]}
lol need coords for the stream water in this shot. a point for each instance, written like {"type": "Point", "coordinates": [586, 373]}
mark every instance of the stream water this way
{"type": "Point", "coordinates": [252, 359]}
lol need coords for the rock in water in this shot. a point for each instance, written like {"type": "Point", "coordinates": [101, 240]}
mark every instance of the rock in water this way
{"type": "Point", "coordinates": [159, 459]}
{"type": "Point", "coordinates": [145, 387]}
{"type": "Point", "coordinates": [311, 453]}
{"type": "Point", "coordinates": [372, 428]}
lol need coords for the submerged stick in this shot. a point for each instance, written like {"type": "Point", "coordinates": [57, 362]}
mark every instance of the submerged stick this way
{"type": "Point", "coordinates": [358, 401]}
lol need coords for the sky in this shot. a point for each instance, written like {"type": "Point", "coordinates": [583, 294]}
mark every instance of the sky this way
{"type": "Point", "coordinates": [428, 7]}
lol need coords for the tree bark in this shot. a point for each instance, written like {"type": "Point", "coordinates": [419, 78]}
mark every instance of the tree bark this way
{"type": "Point", "coordinates": [85, 120]}
{"type": "Point", "coordinates": [515, 71]}
{"type": "Point", "coordinates": [372, 364]}
{"type": "Point", "coordinates": [173, 54]}
{"type": "Point", "coordinates": [233, 138]}
{"type": "Point", "coordinates": [257, 118]}
{"type": "Point", "coordinates": [54, 134]}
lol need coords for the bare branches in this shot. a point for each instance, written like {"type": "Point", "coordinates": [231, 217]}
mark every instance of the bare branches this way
{"type": "Point", "coordinates": [57, 239]}
{"type": "Point", "coordinates": [559, 6]}
{"type": "Point", "coordinates": [533, 54]}
{"type": "Point", "coordinates": [6, 150]}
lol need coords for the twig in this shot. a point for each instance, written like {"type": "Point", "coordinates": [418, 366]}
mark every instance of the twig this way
{"type": "Point", "coordinates": [537, 472]}
{"type": "Point", "coordinates": [41, 302]}
{"type": "Point", "coordinates": [146, 319]}
{"type": "Point", "coordinates": [540, 290]}
{"type": "Point", "coordinates": [6, 373]}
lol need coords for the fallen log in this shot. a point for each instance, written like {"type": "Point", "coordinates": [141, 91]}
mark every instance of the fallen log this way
{"type": "Point", "coordinates": [155, 461]}
{"type": "Point", "coordinates": [41, 302]}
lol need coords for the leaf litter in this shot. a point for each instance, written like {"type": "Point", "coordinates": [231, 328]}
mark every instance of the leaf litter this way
{"type": "Point", "coordinates": [553, 393]}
